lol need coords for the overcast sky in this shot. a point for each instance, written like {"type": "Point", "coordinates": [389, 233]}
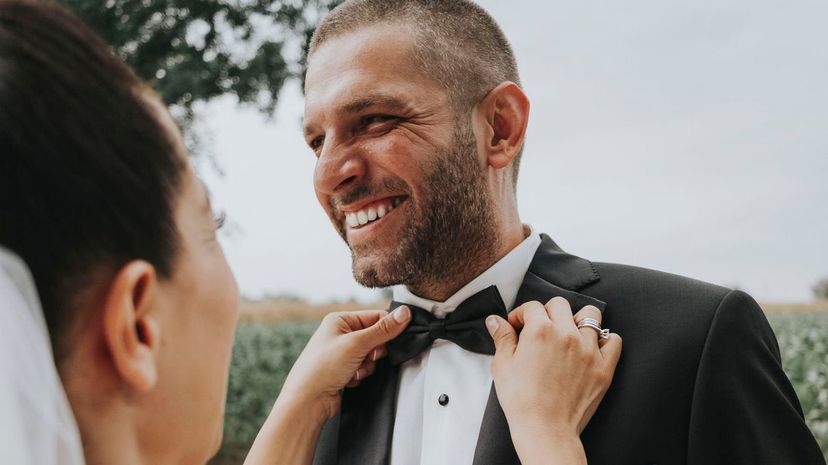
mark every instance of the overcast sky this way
{"type": "Point", "coordinates": [689, 137]}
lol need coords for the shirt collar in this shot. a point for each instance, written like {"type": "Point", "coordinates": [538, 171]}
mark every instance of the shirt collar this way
{"type": "Point", "coordinates": [507, 274]}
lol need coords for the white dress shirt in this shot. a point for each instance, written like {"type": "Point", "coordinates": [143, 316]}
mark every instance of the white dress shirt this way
{"type": "Point", "coordinates": [426, 432]}
{"type": "Point", "coordinates": [36, 426]}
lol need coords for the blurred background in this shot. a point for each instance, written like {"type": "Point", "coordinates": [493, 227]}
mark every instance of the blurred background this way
{"type": "Point", "coordinates": [685, 136]}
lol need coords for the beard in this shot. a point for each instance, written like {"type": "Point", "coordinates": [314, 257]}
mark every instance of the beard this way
{"type": "Point", "coordinates": [450, 230]}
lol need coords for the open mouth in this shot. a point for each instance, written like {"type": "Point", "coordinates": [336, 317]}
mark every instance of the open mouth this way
{"type": "Point", "coordinates": [372, 212]}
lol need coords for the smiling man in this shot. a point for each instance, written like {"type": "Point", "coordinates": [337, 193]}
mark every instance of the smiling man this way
{"type": "Point", "coordinates": [416, 115]}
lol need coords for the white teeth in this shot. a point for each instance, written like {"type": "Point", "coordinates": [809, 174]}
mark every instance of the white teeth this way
{"type": "Point", "coordinates": [351, 219]}
{"type": "Point", "coordinates": [363, 217]}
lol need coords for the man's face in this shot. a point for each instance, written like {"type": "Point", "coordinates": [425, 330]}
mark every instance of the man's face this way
{"type": "Point", "coordinates": [397, 169]}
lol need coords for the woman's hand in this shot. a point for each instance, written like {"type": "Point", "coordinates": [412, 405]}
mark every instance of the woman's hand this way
{"type": "Point", "coordinates": [342, 352]}
{"type": "Point", "coordinates": [551, 379]}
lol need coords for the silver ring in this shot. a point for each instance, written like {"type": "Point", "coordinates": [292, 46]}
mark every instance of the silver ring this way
{"type": "Point", "coordinates": [594, 324]}
{"type": "Point", "coordinates": [589, 321]}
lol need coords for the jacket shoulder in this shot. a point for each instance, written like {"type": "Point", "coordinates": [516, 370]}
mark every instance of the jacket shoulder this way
{"type": "Point", "coordinates": [622, 283]}
{"type": "Point", "coordinates": [653, 309]}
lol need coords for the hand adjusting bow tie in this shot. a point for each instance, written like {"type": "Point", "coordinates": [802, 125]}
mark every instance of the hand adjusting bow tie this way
{"type": "Point", "coordinates": [465, 326]}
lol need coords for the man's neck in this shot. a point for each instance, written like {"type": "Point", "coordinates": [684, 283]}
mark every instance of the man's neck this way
{"type": "Point", "coordinates": [440, 288]}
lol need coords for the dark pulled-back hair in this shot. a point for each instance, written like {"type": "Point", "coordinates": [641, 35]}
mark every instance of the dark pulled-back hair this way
{"type": "Point", "coordinates": [456, 43]}
{"type": "Point", "coordinates": [88, 171]}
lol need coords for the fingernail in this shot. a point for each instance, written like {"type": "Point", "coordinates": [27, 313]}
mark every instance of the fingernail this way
{"type": "Point", "coordinates": [491, 323]}
{"type": "Point", "coordinates": [401, 314]}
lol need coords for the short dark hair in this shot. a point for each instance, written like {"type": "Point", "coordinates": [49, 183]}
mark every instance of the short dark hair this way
{"type": "Point", "coordinates": [457, 43]}
{"type": "Point", "coordinates": [88, 172]}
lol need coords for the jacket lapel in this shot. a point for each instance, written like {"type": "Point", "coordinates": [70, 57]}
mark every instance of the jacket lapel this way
{"type": "Point", "coordinates": [366, 420]}
{"type": "Point", "coordinates": [552, 273]}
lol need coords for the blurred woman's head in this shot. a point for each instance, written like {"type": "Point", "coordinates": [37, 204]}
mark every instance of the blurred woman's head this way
{"type": "Point", "coordinates": [99, 199]}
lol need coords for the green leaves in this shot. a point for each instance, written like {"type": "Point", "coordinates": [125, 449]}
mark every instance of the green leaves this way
{"type": "Point", "coordinates": [803, 342]}
{"type": "Point", "coordinates": [195, 50]}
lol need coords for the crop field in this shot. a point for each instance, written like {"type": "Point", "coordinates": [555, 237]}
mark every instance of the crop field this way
{"type": "Point", "coordinates": [267, 344]}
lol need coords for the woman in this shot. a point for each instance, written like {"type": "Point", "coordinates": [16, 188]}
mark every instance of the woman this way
{"type": "Point", "coordinates": [99, 200]}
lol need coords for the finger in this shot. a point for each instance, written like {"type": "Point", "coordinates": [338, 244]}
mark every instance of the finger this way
{"type": "Point", "coordinates": [352, 383]}
{"type": "Point", "coordinates": [516, 317]}
{"type": "Point", "coordinates": [528, 313]}
{"type": "Point", "coordinates": [590, 311]}
{"type": "Point", "coordinates": [378, 353]}
{"type": "Point", "coordinates": [361, 319]}
{"type": "Point", "coordinates": [365, 370]}
{"type": "Point", "coordinates": [560, 312]}
{"type": "Point", "coordinates": [388, 327]}
{"type": "Point", "coordinates": [504, 336]}
{"type": "Point", "coordinates": [611, 350]}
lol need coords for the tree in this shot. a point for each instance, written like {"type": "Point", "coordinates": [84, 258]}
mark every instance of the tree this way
{"type": "Point", "coordinates": [195, 50]}
{"type": "Point", "coordinates": [821, 289]}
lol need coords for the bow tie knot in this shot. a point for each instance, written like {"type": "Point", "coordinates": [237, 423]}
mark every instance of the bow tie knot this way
{"type": "Point", "coordinates": [437, 329]}
{"type": "Point", "coordinates": [465, 326]}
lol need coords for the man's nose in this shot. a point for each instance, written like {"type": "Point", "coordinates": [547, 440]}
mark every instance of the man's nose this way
{"type": "Point", "coordinates": [338, 168]}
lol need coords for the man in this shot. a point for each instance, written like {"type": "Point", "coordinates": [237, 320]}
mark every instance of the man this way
{"type": "Point", "coordinates": [415, 113]}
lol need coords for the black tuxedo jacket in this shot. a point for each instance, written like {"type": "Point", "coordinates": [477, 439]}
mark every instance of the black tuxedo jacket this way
{"type": "Point", "coordinates": [699, 382]}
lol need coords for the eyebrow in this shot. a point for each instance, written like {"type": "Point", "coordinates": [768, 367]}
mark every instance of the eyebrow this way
{"type": "Point", "coordinates": [360, 104]}
{"type": "Point", "coordinates": [376, 100]}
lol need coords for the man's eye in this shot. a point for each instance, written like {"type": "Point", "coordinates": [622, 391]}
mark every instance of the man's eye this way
{"type": "Point", "coordinates": [316, 143]}
{"type": "Point", "coordinates": [375, 119]}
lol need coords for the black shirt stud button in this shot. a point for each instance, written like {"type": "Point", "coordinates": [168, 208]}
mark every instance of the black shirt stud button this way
{"type": "Point", "coordinates": [443, 400]}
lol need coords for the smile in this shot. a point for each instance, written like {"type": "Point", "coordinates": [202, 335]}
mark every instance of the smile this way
{"type": "Point", "coordinates": [371, 212]}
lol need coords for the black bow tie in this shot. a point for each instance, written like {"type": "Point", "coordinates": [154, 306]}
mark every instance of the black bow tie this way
{"type": "Point", "coordinates": [465, 326]}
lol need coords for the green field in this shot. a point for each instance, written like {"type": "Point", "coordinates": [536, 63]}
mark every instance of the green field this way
{"type": "Point", "coordinates": [263, 354]}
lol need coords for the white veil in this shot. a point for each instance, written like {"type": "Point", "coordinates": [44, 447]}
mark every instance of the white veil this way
{"type": "Point", "coordinates": [36, 426]}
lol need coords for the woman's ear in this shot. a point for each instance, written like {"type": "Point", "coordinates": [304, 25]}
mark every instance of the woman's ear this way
{"type": "Point", "coordinates": [130, 325]}
{"type": "Point", "coordinates": [506, 113]}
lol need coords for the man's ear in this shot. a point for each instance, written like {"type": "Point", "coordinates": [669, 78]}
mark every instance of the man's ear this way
{"type": "Point", "coordinates": [506, 112]}
{"type": "Point", "coordinates": [131, 330]}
